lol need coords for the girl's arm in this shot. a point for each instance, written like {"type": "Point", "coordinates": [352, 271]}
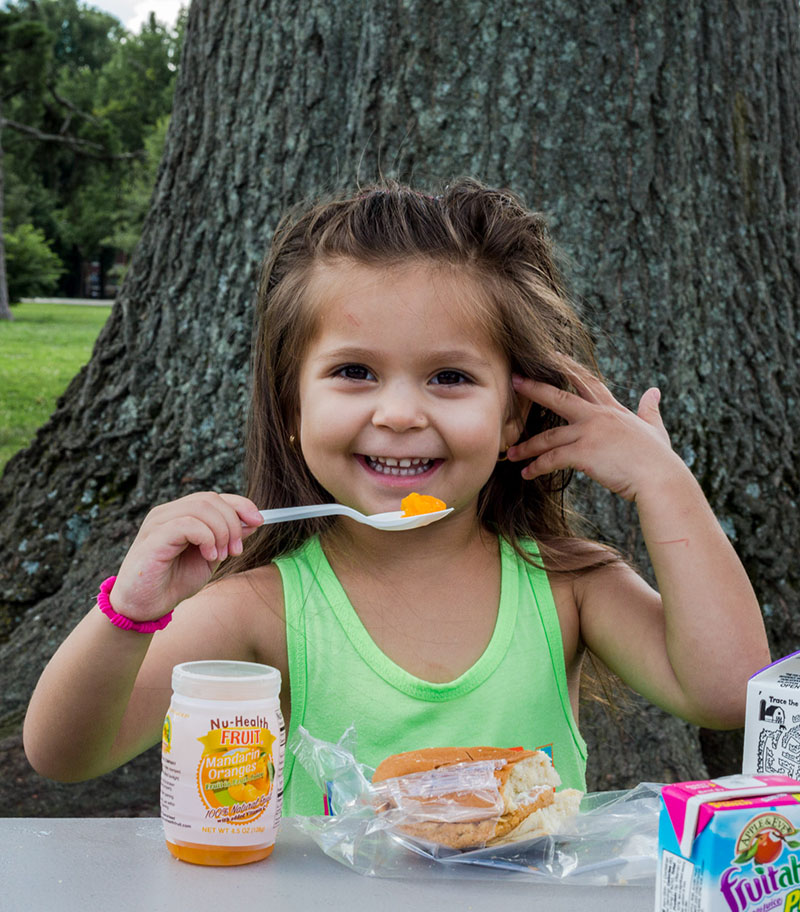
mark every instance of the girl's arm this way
{"type": "Point", "coordinates": [691, 647]}
{"type": "Point", "coordinates": [102, 698]}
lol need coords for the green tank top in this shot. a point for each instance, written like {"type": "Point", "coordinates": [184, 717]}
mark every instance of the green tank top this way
{"type": "Point", "coordinates": [514, 695]}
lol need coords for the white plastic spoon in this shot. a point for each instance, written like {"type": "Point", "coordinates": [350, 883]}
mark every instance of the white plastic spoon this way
{"type": "Point", "coordinates": [394, 521]}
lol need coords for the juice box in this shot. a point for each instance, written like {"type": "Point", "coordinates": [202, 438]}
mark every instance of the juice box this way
{"type": "Point", "coordinates": [729, 845]}
{"type": "Point", "coordinates": [772, 724]}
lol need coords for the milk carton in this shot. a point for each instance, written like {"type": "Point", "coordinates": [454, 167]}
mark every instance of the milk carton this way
{"type": "Point", "coordinates": [729, 845]}
{"type": "Point", "coordinates": [772, 726]}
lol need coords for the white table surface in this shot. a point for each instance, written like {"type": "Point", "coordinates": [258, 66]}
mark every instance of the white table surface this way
{"type": "Point", "coordinates": [122, 865]}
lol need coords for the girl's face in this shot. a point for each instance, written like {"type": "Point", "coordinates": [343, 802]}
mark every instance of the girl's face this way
{"type": "Point", "coordinates": [400, 388]}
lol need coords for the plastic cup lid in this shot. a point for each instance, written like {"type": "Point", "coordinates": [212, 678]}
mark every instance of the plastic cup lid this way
{"type": "Point", "coordinates": [226, 680]}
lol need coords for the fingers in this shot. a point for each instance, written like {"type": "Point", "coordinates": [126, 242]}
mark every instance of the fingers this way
{"type": "Point", "coordinates": [178, 548]}
{"type": "Point", "coordinates": [586, 383]}
{"type": "Point", "coordinates": [553, 450]}
{"type": "Point", "coordinates": [589, 391]}
{"type": "Point", "coordinates": [561, 402]}
{"type": "Point", "coordinates": [648, 411]}
{"type": "Point", "coordinates": [602, 438]}
{"type": "Point", "coordinates": [556, 460]}
{"type": "Point", "coordinates": [550, 440]}
{"type": "Point", "coordinates": [248, 512]}
{"type": "Point", "coordinates": [216, 524]}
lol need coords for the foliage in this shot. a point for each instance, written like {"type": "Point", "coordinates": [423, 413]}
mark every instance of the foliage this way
{"type": "Point", "coordinates": [81, 32]}
{"type": "Point", "coordinates": [136, 192]}
{"type": "Point", "coordinates": [80, 116]}
{"type": "Point", "coordinates": [135, 87]}
{"type": "Point", "coordinates": [26, 56]}
{"type": "Point", "coordinates": [40, 352]}
{"type": "Point", "coordinates": [32, 267]}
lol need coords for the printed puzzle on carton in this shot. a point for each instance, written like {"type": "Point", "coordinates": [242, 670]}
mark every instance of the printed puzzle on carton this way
{"type": "Point", "coordinates": [772, 726]}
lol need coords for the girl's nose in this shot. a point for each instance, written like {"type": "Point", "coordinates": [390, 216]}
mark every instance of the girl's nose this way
{"type": "Point", "coordinates": [399, 407]}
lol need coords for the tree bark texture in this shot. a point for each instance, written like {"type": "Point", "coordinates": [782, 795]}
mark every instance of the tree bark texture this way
{"type": "Point", "coordinates": [661, 140]}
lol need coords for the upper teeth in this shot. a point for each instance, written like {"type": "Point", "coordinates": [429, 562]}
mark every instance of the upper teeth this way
{"type": "Point", "coordinates": [415, 464]}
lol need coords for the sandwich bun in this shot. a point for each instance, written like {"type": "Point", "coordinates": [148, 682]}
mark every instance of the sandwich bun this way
{"type": "Point", "coordinates": [464, 797]}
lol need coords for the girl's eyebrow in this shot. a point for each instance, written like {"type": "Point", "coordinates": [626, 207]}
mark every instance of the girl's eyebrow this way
{"type": "Point", "coordinates": [447, 356]}
{"type": "Point", "coordinates": [348, 353]}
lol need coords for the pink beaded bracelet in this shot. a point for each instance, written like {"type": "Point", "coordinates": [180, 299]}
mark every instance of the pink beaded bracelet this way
{"type": "Point", "coordinates": [119, 620]}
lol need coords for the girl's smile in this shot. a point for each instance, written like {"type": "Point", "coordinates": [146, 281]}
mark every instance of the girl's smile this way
{"type": "Point", "coordinates": [407, 467]}
{"type": "Point", "coordinates": [401, 389]}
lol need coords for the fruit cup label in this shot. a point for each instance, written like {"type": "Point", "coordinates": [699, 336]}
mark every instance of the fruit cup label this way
{"type": "Point", "coordinates": [219, 783]}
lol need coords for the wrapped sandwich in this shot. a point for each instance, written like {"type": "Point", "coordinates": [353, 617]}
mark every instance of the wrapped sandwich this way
{"type": "Point", "coordinates": [464, 797]}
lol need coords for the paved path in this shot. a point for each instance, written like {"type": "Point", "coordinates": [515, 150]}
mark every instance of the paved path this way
{"type": "Point", "coordinates": [80, 302]}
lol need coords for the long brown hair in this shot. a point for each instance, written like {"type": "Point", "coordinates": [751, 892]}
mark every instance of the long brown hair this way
{"type": "Point", "coordinates": [506, 248]}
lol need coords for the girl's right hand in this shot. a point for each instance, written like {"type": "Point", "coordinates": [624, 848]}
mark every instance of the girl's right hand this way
{"type": "Point", "coordinates": [177, 548]}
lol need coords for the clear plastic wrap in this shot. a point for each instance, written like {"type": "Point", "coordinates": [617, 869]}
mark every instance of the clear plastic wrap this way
{"type": "Point", "coordinates": [611, 840]}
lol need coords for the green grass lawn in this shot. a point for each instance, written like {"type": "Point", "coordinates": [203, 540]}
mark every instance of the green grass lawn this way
{"type": "Point", "coordinates": [41, 350]}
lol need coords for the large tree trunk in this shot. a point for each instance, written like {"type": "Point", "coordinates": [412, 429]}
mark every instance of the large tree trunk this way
{"type": "Point", "coordinates": [661, 140]}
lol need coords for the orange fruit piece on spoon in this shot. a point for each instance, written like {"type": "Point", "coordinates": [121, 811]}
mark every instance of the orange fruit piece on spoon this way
{"type": "Point", "coordinates": [415, 504]}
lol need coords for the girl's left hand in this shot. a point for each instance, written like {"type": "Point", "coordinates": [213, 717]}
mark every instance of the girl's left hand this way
{"type": "Point", "coordinates": [623, 451]}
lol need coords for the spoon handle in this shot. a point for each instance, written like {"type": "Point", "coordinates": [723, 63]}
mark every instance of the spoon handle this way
{"type": "Point", "coordinates": [285, 514]}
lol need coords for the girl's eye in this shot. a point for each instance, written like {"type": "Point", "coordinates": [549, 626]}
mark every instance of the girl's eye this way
{"type": "Point", "coordinates": [450, 378]}
{"type": "Point", "coordinates": [355, 372]}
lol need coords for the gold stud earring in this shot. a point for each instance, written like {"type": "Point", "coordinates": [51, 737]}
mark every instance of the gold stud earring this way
{"type": "Point", "coordinates": [291, 440]}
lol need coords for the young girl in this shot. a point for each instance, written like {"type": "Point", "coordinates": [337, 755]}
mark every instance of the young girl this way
{"type": "Point", "coordinates": [414, 343]}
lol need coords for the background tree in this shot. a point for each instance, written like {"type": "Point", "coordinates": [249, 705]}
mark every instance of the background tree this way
{"type": "Point", "coordinates": [661, 141]}
{"type": "Point", "coordinates": [24, 51]}
{"type": "Point", "coordinates": [78, 121]}
{"type": "Point", "coordinates": [32, 266]}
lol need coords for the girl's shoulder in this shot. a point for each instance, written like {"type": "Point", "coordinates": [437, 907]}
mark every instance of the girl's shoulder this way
{"type": "Point", "coordinates": [247, 609]}
{"type": "Point", "coordinates": [582, 575]}
{"type": "Point", "coordinates": [571, 557]}
{"type": "Point", "coordinates": [578, 566]}
{"type": "Point", "coordinates": [249, 590]}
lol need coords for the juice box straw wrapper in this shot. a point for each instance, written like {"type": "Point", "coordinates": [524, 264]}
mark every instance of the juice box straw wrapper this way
{"type": "Point", "coordinates": [772, 724]}
{"type": "Point", "coordinates": [729, 845]}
